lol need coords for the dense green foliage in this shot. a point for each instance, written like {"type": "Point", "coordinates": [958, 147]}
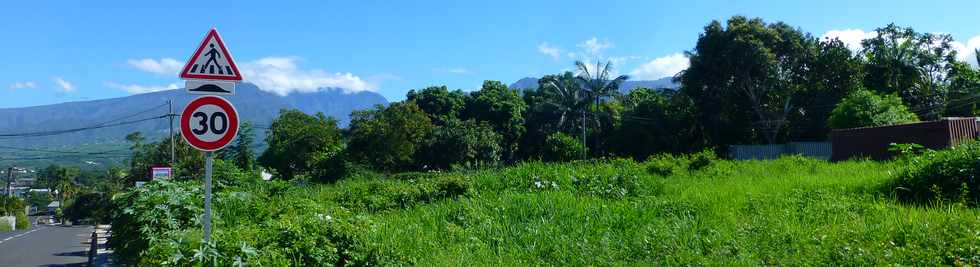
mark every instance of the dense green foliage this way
{"type": "Point", "coordinates": [749, 81]}
{"type": "Point", "coordinates": [387, 138]}
{"type": "Point", "coordinates": [13, 206]}
{"type": "Point", "coordinates": [295, 138]}
{"type": "Point", "coordinates": [865, 108]}
{"type": "Point", "coordinates": [385, 197]}
{"type": "Point", "coordinates": [791, 211]}
{"type": "Point", "coordinates": [656, 122]}
{"type": "Point", "coordinates": [241, 151]}
{"type": "Point", "coordinates": [461, 143]}
{"type": "Point", "coordinates": [562, 147]}
{"type": "Point", "coordinates": [911, 64]}
{"type": "Point", "coordinates": [189, 161]}
{"type": "Point", "coordinates": [10, 205]}
{"type": "Point", "coordinates": [503, 109]}
{"type": "Point", "coordinates": [93, 207]}
{"type": "Point", "coordinates": [439, 103]}
{"type": "Point", "coordinates": [941, 176]}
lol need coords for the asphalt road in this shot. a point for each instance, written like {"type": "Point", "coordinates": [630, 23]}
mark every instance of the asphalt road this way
{"type": "Point", "coordinates": [46, 245]}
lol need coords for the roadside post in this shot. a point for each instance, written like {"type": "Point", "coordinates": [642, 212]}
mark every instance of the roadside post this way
{"type": "Point", "coordinates": [210, 122]}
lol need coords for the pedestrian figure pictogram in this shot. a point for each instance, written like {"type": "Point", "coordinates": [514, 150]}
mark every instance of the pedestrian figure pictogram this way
{"type": "Point", "coordinates": [211, 61]}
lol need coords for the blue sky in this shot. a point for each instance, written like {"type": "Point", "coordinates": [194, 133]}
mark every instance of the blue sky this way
{"type": "Point", "coordinates": [58, 51]}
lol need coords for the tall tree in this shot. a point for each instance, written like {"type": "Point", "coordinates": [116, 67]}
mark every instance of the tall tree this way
{"type": "Point", "coordinates": [744, 76]}
{"type": "Point", "coordinates": [835, 72]}
{"type": "Point", "coordinates": [656, 121]}
{"type": "Point", "coordinates": [914, 65]}
{"type": "Point", "coordinates": [439, 103]}
{"type": "Point", "coordinates": [240, 152]}
{"type": "Point", "coordinates": [598, 83]}
{"type": "Point", "coordinates": [294, 137]}
{"type": "Point", "coordinates": [387, 138]}
{"type": "Point", "coordinates": [964, 91]}
{"type": "Point", "coordinates": [558, 104]}
{"type": "Point", "coordinates": [503, 109]}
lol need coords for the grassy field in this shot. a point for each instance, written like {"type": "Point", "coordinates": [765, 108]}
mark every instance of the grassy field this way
{"type": "Point", "coordinates": [792, 211]}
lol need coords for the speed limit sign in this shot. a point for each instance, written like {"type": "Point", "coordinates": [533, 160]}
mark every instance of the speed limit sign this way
{"type": "Point", "coordinates": [209, 123]}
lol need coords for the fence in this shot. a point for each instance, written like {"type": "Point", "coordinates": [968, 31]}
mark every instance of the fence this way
{"type": "Point", "coordinates": [820, 150]}
{"type": "Point", "coordinates": [873, 142]}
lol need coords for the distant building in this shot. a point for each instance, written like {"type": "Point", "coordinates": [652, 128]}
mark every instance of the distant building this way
{"type": "Point", "coordinates": [53, 207]}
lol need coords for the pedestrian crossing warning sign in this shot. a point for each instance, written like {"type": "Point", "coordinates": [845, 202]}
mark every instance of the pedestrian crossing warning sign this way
{"type": "Point", "coordinates": [211, 61]}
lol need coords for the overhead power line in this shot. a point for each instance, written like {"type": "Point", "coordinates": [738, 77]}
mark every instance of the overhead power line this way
{"type": "Point", "coordinates": [63, 152]}
{"type": "Point", "coordinates": [74, 130]}
{"type": "Point", "coordinates": [64, 156]}
{"type": "Point", "coordinates": [134, 114]}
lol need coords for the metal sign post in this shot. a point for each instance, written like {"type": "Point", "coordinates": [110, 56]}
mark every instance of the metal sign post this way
{"type": "Point", "coordinates": [210, 122]}
{"type": "Point", "coordinates": [207, 196]}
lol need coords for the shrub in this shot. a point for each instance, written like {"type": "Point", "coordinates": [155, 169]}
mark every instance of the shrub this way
{"type": "Point", "coordinates": [667, 164]}
{"type": "Point", "coordinates": [294, 138]}
{"type": "Point", "coordinates": [949, 174]}
{"type": "Point", "coordinates": [21, 220]}
{"type": "Point", "coordinates": [10, 205]}
{"type": "Point", "coordinates": [461, 143]}
{"type": "Point", "coordinates": [562, 147]}
{"type": "Point", "coordinates": [864, 108]}
{"type": "Point", "coordinates": [93, 207]}
{"type": "Point", "coordinates": [150, 213]}
{"type": "Point", "coordinates": [4, 227]}
{"type": "Point", "coordinates": [387, 137]}
{"type": "Point", "coordinates": [379, 195]}
{"type": "Point", "coordinates": [227, 174]}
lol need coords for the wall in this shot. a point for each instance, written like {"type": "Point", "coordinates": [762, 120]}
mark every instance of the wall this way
{"type": "Point", "coordinates": [821, 150]}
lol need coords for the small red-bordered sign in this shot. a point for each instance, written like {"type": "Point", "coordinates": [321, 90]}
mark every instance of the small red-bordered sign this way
{"type": "Point", "coordinates": [209, 123]}
{"type": "Point", "coordinates": [211, 61]}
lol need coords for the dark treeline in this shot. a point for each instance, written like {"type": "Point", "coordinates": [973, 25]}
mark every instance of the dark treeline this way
{"type": "Point", "coordinates": [749, 82]}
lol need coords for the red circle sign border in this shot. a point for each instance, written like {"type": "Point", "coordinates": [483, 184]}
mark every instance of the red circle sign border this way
{"type": "Point", "coordinates": [185, 120]}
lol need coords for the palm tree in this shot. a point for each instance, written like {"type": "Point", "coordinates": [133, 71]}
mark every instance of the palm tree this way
{"type": "Point", "coordinates": [65, 184]}
{"type": "Point", "coordinates": [566, 98]}
{"type": "Point", "coordinates": [977, 54]}
{"type": "Point", "coordinates": [598, 85]}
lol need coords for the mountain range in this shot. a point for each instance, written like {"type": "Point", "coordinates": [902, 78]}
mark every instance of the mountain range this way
{"type": "Point", "coordinates": [253, 104]}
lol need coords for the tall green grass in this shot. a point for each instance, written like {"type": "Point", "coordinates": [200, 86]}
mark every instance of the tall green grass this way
{"type": "Point", "coordinates": [791, 211]}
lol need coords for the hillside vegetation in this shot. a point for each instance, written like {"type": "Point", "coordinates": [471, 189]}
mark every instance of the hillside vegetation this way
{"type": "Point", "coordinates": [669, 210]}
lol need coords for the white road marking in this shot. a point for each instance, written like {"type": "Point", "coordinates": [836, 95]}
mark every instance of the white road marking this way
{"type": "Point", "coordinates": [19, 235]}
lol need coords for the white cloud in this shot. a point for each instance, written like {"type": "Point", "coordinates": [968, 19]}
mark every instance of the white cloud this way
{"type": "Point", "coordinates": [455, 71]}
{"type": "Point", "coordinates": [23, 85]}
{"type": "Point", "coordinates": [967, 52]}
{"type": "Point", "coordinates": [164, 66]}
{"type": "Point", "coordinates": [282, 76]}
{"type": "Point", "coordinates": [594, 47]}
{"type": "Point", "coordinates": [550, 50]}
{"type": "Point", "coordinates": [851, 37]}
{"type": "Point", "coordinates": [661, 67]}
{"type": "Point", "coordinates": [140, 89]}
{"type": "Point", "coordinates": [63, 85]}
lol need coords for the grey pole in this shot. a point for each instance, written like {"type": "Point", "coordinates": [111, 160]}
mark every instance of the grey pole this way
{"type": "Point", "coordinates": [10, 176]}
{"type": "Point", "coordinates": [207, 196]}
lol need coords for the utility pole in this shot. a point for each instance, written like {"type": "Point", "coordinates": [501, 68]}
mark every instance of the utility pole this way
{"type": "Point", "coordinates": [586, 147]}
{"type": "Point", "coordinates": [10, 176]}
{"type": "Point", "coordinates": [170, 115]}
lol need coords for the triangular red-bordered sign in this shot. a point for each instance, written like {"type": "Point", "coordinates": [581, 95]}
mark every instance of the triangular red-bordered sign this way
{"type": "Point", "coordinates": [211, 61]}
